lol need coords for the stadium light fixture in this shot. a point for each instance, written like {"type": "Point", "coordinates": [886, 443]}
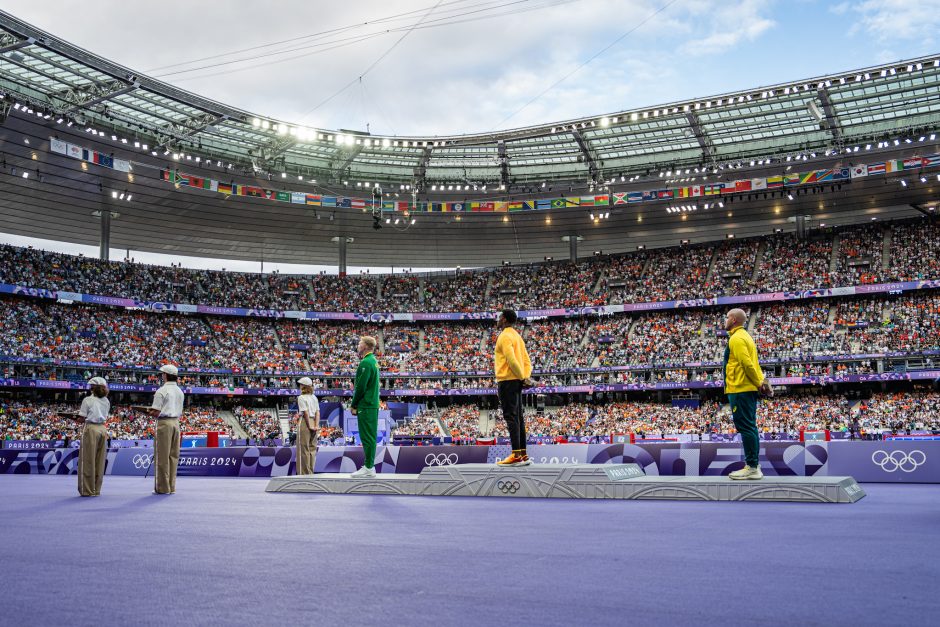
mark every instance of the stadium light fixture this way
{"type": "Point", "coordinates": [903, 183]}
{"type": "Point", "coordinates": [25, 175]}
{"type": "Point", "coordinates": [790, 195]}
{"type": "Point", "coordinates": [923, 179]}
{"type": "Point", "coordinates": [114, 194]}
{"type": "Point", "coordinates": [721, 205]}
{"type": "Point", "coordinates": [605, 121]}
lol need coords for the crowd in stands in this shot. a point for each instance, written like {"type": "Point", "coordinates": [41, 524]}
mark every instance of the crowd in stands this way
{"type": "Point", "coordinates": [259, 424]}
{"type": "Point", "coordinates": [883, 412]}
{"type": "Point", "coordinates": [423, 422]}
{"type": "Point", "coordinates": [463, 292]}
{"type": "Point", "coordinates": [664, 274]}
{"type": "Point", "coordinates": [35, 420]}
{"type": "Point", "coordinates": [915, 251]}
{"type": "Point", "coordinates": [860, 254]}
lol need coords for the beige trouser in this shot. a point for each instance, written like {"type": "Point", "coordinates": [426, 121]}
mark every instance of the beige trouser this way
{"type": "Point", "coordinates": [166, 455]}
{"type": "Point", "coordinates": [91, 459]}
{"type": "Point", "coordinates": [306, 449]}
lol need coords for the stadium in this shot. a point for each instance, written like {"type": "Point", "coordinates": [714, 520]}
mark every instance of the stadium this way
{"type": "Point", "coordinates": [620, 241]}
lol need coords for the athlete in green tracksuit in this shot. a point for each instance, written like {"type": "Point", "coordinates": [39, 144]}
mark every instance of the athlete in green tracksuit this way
{"type": "Point", "coordinates": [365, 404]}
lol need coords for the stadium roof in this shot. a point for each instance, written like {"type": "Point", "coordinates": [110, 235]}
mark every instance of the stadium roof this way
{"type": "Point", "coordinates": [623, 150]}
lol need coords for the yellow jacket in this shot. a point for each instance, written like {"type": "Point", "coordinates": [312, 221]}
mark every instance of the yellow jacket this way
{"type": "Point", "coordinates": [512, 359]}
{"type": "Point", "coordinates": [742, 370]}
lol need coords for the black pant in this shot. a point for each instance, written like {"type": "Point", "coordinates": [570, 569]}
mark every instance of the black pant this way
{"type": "Point", "coordinates": [510, 399]}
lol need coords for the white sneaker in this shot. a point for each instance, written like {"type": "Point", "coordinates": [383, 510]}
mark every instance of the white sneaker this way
{"type": "Point", "coordinates": [363, 473]}
{"type": "Point", "coordinates": [747, 473]}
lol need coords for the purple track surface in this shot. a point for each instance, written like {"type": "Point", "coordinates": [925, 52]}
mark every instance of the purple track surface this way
{"type": "Point", "coordinates": [222, 551]}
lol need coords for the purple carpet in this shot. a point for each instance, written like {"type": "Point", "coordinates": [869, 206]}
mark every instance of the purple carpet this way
{"type": "Point", "coordinates": [222, 551]}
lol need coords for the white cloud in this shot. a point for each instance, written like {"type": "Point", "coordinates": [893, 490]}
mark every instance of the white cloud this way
{"type": "Point", "coordinates": [730, 24]}
{"type": "Point", "coordinates": [898, 20]}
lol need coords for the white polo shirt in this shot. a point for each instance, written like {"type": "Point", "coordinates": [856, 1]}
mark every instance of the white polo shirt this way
{"type": "Point", "coordinates": [94, 409]}
{"type": "Point", "coordinates": [308, 403]}
{"type": "Point", "coordinates": [169, 400]}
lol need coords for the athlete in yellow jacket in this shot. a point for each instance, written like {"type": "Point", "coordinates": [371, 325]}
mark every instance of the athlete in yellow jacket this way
{"type": "Point", "coordinates": [513, 372]}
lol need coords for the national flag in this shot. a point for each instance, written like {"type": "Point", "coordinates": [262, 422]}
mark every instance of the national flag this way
{"type": "Point", "coordinates": [729, 188]}
{"type": "Point", "coordinates": [344, 202]}
{"type": "Point", "coordinates": [316, 200]}
{"type": "Point", "coordinates": [238, 190]}
{"type": "Point", "coordinates": [74, 151]}
{"type": "Point", "coordinates": [791, 179]}
{"type": "Point", "coordinates": [559, 203]}
{"type": "Point", "coordinates": [696, 191]}
{"type": "Point", "coordinates": [458, 206]}
{"type": "Point", "coordinates": [328, 201]}
{"type": "Point", "coordinates": [423, 206]}
{"type": "Point", "coordinates": [58, 146]}
{"type": "Point", "coordinates": [487, 206]}
{"type": "Point", "coordinates": [684, 192]}
{"type": "Point", "coordinates": [543, 203]}
{"type": "Point", "coordinates": [742, 186]}
{"type": "Point", "coordinates": [774, 182]}
{"type": "Point", "coordinates": [859, 171]}
{"type": "Point", "coordinates": [226, 188]}
{"type": "Point", "coordinates": [515, 205]}
{"type": "Point", "coordinates": [649, 195]}
{"type": "Point", "coordinates": [122, 166]}
{"type": "Point", "coordinates": [634, 196]}
{"type": "Point", "coordinates": [894, 165]}
{"type": "Point", "coordinates": [912, 163]}
{"type": "Point", "coordinates": [105, 160]}
{"type": "Point", "coordinates": [435, 207]}
{"type": "Point", "coordinates": [500, 206]}
{"type": "Point", "coordinates": [87, 155]}
{"type": "Point", "coordinates": [664, 194]}
{"type": "Point", "coordinates": [807, 177]}
{"type": "Point", "coordinates": [282, 196]}
{"type": "Point", "coordinates": [932, 161]}
{"type": "Point", "coordinates": [586, 201]}
{"type": "Point", "coordinates": [358, 203]}
{"type": "Point", "coordinates": [620, 198]}
{"type": "Point", "coordinates": [255, 192]}
{"type": "Point", "coordinates": [268, 194]}
{"type": "Point", "coordinates": [714, 189]}
{"type": "Point", "coordinates": [602, 200]}
{"type": "Point", "coordinates": [194, 181]}
{"type": "Point", "coordinates": [840, 174]}
{"type": "Point", "coordinates": [401, 205]}
{"type": "Point", "coordinates": [876, 168]}
{"type": "Point", "coordinates": [298, 198]}
{"type": "Point", "coordinates": [758, 184]}
{"type": "Point", "coordinates": [823, 175]}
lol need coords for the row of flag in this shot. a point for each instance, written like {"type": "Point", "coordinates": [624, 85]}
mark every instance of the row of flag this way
{"type": "Point", "coordinates": [60, 147]}
{"type": "Point", "coordinates": [779, 181]}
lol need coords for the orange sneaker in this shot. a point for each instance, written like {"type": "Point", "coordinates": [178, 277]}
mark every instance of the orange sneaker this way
{"type": "Point", "coordinates": [512, 460]}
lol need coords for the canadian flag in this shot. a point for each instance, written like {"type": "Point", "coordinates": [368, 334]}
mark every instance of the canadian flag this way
{"type": "Point", "coordinates": [696, 191]}
{"type": "Point", "coordinates": [859, 170]}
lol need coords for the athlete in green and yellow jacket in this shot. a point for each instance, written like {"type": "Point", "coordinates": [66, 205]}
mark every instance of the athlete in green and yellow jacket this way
{"type": "Point", "coordinates": [743, 379]}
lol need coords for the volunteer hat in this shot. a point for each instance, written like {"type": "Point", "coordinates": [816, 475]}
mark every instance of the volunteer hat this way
{"type": "Point", "coordinates": [305, 381]}
{"type": "Point", "coordinates": [169, 369]}
{"type": "Point", "coordinates": [97, 381]}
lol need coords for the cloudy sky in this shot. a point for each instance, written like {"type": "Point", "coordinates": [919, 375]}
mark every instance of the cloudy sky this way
{"type": "Point", "coordinates": [423, 67]}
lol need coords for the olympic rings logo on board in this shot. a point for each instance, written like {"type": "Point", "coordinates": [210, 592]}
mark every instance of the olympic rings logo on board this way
{"type": "Point", "coordinates": [508, 486]}
{"type": "Point", "coordinates": [142, 461]}
{"type": "Point", "coordinates": [441, 459]}
{"type": "Point", "coordinates": [899, 460]}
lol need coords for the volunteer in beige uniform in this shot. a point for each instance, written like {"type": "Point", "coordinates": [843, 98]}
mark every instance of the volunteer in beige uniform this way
{"type": "Point", "coordinates": [94, 445]}
{"type": "Point", "coordinates": [308, 428]}
{"type": "Point", "coordinates": [167, 407]}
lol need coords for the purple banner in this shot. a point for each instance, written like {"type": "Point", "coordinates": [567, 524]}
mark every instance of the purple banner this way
{"type": "Point", "coordinates": [904, 462]}
{"type": "Point", "coordinates": [917, 375]}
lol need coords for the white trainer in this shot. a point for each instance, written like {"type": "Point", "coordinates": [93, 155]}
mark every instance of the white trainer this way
{"type": "Point", "coordinates": [363, 473]}
{"type": "Point", "coordinates": [747, 472]}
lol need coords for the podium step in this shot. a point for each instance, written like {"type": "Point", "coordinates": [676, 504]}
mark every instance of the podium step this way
{"type": "Point", "coordinates": [578, 481]}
